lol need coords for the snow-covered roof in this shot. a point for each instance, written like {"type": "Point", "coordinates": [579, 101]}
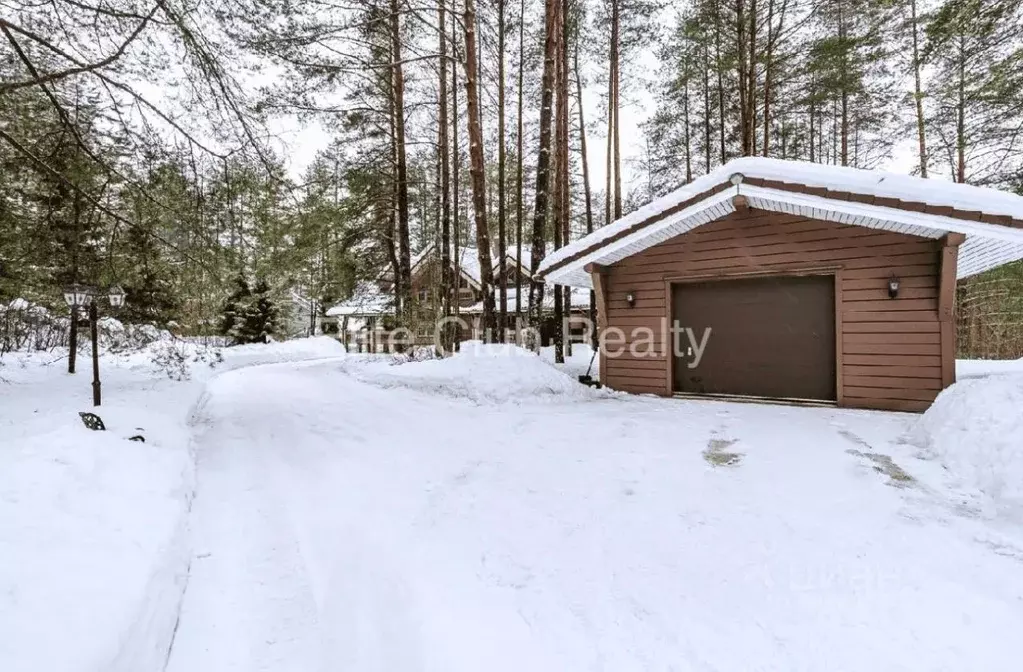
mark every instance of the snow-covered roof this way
{"type": "Point", "coordinates": [367, 300]}
{"type": "Point", "coordinates": [925, 207]}
{"type": "Point", "coordinates": [580, 300]}
{"type": "Point", "coordinates": [469, 261]}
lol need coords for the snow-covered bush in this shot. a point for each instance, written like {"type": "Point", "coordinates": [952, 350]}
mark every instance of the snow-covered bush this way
{"type": "Point", "coordinates": [417, 353]}
{"type": "Point", "coordinates": [114, 335]}
{"type": "Point", "coordinates": [177, 358]}
{"type": "Point", "coordinates": [975, 429]}
{"type": "Point", "coordinates": [25, 326]}
{"type": "Point", "coordinates": [28, 327]}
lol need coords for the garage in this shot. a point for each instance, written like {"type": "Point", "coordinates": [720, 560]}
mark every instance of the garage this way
{"type": "Point", "coordinates": [818, 283]}
{"type": "Point", "coordinates": [765, 337]}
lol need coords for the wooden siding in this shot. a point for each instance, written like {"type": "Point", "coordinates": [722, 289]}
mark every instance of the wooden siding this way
{"type": "Point", "coordinates": [889, 351]}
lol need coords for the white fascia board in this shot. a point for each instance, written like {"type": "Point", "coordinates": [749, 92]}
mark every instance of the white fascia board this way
{"type": "Point", "coordinates": [636, 242]}
{"type": "Point", "coordinates": [932, 222]}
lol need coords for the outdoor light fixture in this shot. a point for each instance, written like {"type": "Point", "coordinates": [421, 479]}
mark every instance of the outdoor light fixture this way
{"type": "Point", "coordinates": [893, 287]}
{"type": "Point", "coordinates": [116, 296]}
{"type": "Point", "coordinates": [630, 298]}
{"type": "Point", "coordinates": [77, 295]}
{"type": "Point", "coordinates": [736, 178]}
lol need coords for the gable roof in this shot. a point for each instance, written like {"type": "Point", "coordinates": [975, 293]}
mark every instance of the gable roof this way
{"type": "Point", "coordinates": [991, 220]}
{"type": "Point", "coordinates": [367, 299]}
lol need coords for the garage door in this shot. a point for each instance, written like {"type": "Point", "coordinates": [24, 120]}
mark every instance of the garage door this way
{"type": "Point", "coordinates": [769, 337]}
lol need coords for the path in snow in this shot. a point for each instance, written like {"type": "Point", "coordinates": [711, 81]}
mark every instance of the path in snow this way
{"type": "Point", "coordinates": [338, 525]}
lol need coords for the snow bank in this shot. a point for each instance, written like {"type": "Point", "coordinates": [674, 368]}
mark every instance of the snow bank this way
{"type": "Point", "coordinates": [976, 368]}
{"type": "Point", "coordinates": [92, 544]}
{"type": "Point", "coordinates": [94, 541]}
{"type": "Point", "coordinates": [482, 373]}
{"type": "Point", "coordinates": [181, 359]}
{"type": "Point", "coordinates": [975, 428]}
{"type": "Point", "coordinates": [295, 350]}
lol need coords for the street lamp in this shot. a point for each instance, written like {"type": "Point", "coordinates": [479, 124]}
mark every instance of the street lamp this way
{"type": "Point", "coordinates": [116, 296]}
{"type": "Point", "coordinates": [75, 296]}
{"type": "Point", "coordinates": [80, 295]}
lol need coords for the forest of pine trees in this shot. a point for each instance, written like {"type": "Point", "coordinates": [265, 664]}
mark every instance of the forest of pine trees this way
{"type": "Point", "coordinates": [140, 140]}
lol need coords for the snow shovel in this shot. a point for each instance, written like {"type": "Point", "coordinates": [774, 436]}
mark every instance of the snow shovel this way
{"type": "Point", "coordinates": [586, 378]}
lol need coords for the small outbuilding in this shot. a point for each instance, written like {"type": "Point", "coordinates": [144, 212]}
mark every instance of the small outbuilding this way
{"type": "Point", "coordinates": [788, 280]}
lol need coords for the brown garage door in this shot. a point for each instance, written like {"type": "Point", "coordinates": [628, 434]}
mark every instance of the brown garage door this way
{"type": "Point", "coordinates": [770, 337]}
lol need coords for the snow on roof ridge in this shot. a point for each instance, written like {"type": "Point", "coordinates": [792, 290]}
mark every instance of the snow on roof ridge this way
{"type": "Point", "coordinates": [879, 183]}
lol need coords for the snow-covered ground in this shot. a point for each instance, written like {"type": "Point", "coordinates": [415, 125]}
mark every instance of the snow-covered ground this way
{"type": "Point", "coordinates": [94, 546]}
{"type": "Point", "coordinates": [486, 513]}
{"type": "Point", "coordinates": [977, 368]}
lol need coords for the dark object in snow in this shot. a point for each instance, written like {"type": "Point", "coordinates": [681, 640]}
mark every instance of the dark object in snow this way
{"type": "Point", "coordinates": [586, 378]}
{"type": "Point", "coordinates": [93, 422]}
{"type": "Point", "coordinates": [137, 437]}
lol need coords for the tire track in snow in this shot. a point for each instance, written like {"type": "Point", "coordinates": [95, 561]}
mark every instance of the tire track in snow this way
{"type": "Point", "coordinates": [248, 604]}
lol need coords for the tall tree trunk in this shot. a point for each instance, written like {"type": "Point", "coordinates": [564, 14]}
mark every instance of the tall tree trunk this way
{"type": "Point", "coordinates": [961, 114]}
{"type": "Point", "coordinates": [557, 209]}
{"type": "Point", "coordinates": [519, 206]}
{"type": "Point", "coordinates": [812, 114]}
{"type": "Point", "coordinates": [562, 298]}
{"type": "Point", "coordinates": [719, 67]}
{"type": "Point", "coordinates": [609, 155]}
{"type": "Point", "coordinates": [918, 95]}
{"type": "Point", "coordinates": [685, 114]}
{"type": "Point", "coordinates": [398, 92]}
{"type": "Point", "coordinates": [455, 181]}
{"type": "Point", "coordinates": [767, 76]}
{"type": "Point", "coordinates": [586, 171]}
{"type": "Point", "coordinates": [445, 178]}
{"type": "Point", "coordinates": [751, 79]}
{"type": "Point", "coordinates": [477, 176]}
{"type": "Point", "coordinates": [543, 159]}
{"type": "Point", "coordinates": [616, 71]}
{"type": "Point", "coordinates": [502, 241]}
{"type": "Point", "coordinates": [390, 229]}
{"type": "Point", "coordinates": [742, 73]}
{"type": "Point", "coordinates": [706, 107]}
{"type": "Point", "coordinates": [842, 31]}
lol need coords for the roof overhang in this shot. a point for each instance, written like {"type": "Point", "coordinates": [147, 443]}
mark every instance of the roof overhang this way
{"type": "Point", "coordinates": [985, 246]}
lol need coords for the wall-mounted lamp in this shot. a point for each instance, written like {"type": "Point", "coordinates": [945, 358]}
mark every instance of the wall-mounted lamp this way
{"type": "Point", "coordinates": [893, 287]}
{"type": "Point", "coordinates": [630, 298]}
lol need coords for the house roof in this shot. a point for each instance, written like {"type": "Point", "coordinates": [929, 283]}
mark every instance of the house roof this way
{"type": "Point", "coordinates": [580, 301]}
{"type": "Point", "coordinates": [366, 300]}
{"type": "Point", "coordinates": [369, 300]}
{"type": "Point", "coordinates": [991, 220]}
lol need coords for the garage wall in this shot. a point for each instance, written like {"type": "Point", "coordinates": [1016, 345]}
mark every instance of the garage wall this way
{"type": "Point", "coordinates": [891, 348]}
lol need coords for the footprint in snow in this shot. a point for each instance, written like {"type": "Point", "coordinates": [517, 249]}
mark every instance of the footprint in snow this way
{"type": "Point", "coordinates": [717, 455]}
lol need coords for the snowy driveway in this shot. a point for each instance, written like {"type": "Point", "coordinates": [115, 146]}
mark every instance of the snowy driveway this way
{"type": "Point", "coordinates": [341, 525]}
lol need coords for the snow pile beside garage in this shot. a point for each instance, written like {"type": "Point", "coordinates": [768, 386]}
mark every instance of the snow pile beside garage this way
{"type": "Point", "coordinates": [977, 368]}
{"type": "Point", "coordinates": [482, 373]}
{"type": "Point", "coordinates": [975, 428]}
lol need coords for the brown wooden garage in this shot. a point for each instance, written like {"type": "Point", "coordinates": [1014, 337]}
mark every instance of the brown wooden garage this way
{"type": "Point", "coordinates": [768, 337]}
{"type": "Point", "coordinates": [824, 286]}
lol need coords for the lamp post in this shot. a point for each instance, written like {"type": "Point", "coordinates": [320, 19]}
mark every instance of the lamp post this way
{"type": "Point", "coordinates": [76, 296]}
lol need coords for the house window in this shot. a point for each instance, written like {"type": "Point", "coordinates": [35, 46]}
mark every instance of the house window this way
{"type": "Point", "coordinates": [424, 294]}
